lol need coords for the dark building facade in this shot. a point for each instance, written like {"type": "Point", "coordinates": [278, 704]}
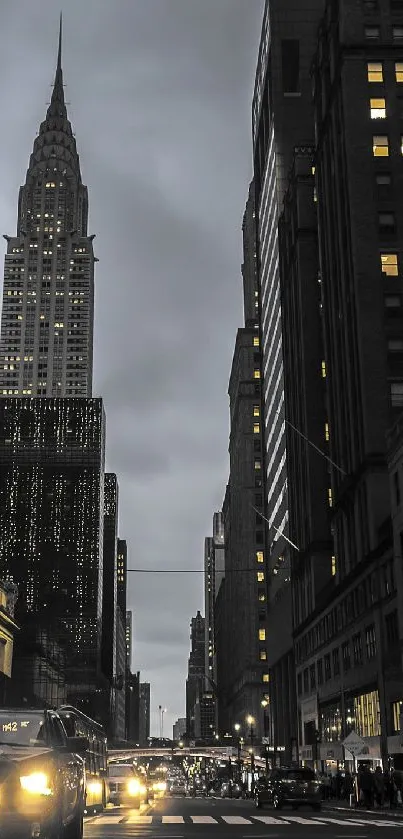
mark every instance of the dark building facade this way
{"type": "Point", "coordinates": [214, 570]}
{"type": "Point", "coordinates": [121, 655]}
{"type": "Point", "coordinates": [242, 672]}
{"type": "Point", "coordinates": [109, 596]}
{"type": "Point", "coordinates": [282, 118]}
{"type": "Point", "coordinates": [347, 672]}
{"type": "Point", "coordinates": [51, 527]}
{"type": "Point", "coordinates": [133, 708]}
{"type": "Point", "coordinates": [196, 671]}
{"type": "Point", "coordinates": [144, 713]}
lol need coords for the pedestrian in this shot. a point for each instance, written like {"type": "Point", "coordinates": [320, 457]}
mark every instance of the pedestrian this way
{"type": "Point", "coordinates": [365, 786]}
{"type": "Point", "coordinates": [379, 787]}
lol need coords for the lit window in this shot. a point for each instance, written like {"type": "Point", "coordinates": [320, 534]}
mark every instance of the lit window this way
{"type": "Point", "coordinates": [265, 678]}
{"type": "Point", "coordinates": [259, 557]}
{"type": "Point", "coordinates": [372, 33]}
{"type": "Point", "coordinates": [256, 341]}
{"type": "Point", "coordinates": [257, 374]}
{"type": "Point", "coordinates": [262, 634]}
{"type": "Point", "coordinates": [334, 566]}
{"type": "Point", "coordinates": [323, 369]}
{"type": "Point", "coordinates": [327, 432]}
{"type": "Point", "coordinates": [330, 497]}
{"type": "Point", "coordinates": [375, 71]}
{"type": "Point", "coordinates": [262, 597]}
{"type": "Point", "coordinates": [380, 145]}
{"type": "Point", "coordinates": [256, 411]}
{"type": "Point", "coordinates": [396, 394]}
{"type": "Point", "coordinates": [389, 264]}
{"type": "Point", "coordinates": [256, 428]}
{"type": "Point", "coordinates": [378, 108]}
{"type": "Point", "coordinates": [263, 655]}
{"type": "Point", "coordinates": [399, 71]}
{"type": "Point", "coordinates": [260, 576]}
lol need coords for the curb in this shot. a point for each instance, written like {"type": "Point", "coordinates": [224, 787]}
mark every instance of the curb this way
{"type": "Point", "coordinates": [377, 813]}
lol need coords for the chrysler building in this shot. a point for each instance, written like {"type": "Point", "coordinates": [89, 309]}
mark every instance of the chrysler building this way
{"type": "Point", "coordinates": [46, 343]}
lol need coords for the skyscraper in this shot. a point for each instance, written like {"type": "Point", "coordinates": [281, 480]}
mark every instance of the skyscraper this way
{"type": "Point", "coordinates": [195, 679]}
{"type": "Point", "coordinates": [144, 713]}
{"type": "Point", "coordinates": [214, 565]}
{"type": "Point", "coordinates": [46, 344]}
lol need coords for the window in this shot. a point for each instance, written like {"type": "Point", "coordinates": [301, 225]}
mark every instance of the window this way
{"type": "Point", "coordinates": [334, 566]}
{"type": "Point", "coordinates": [299, 683]}
{"type": "Point", "coordinates": [258, 465]}
{"type": "Point", "coordinates": [380, 145]}
{"type": "Point", "coordinates": [389, 264]}
{"type": "Point", "coordinates": [336, 661]}
{"type": "Point", "coordinates": [260, 576]}
{"type": "Point", "coordinates": [263, 655]}
{"type": "Point", "coordinates": [256, 411]}
{"type": "Point", "coordinates": [262, 634]}
{"type": "Point", "coordinates": [290, 59]}
{"type": "Point", "coordinates": [256, 428]}
{"type": "Point", "coordinates": [378, 108]}
{"type": "Point", "coordinates": [262, 597]}
{"type": "Point", "coordinates": [327, 433]}
{"type": "Point", "coordinates": [345, 652]}
{"type": "Point", "coordinates": [375, 71]}
{"type": "Point", "coordinates": [328, 671]}
{"type": "Point", "coordinates": [256, 341]}
{"type": "Point", "coordinates": [395, 345]}
{"type": "Point", "coordinates": [372, 33]}
{"type": "Point", "coordinates": [306, 680]}
{"type": "Point", "coordinates": [369, 6]}
{"type": "Point", "coordinates": [387, 223]}
{"type": "Point", "coordinates": [265, 678]}
{"type": "Point", "coordinates": [256, 374]}
{"type": "Point", "coordinates": [259, 556]}
{"type": "Point", "coordinates": [397, 33]}
{"type": "Point", "coordinates": [357, 649]}
{"type": "Point", "coordinates": [399, 71]}
{"type": "Point", "coordinates": [323, 369]}
{"type": "Point", "coordinates": [370, 641]}
{"type": "Point", "coordinates": [320, 672]}
{"type": "Point", "coordinates": [367, 714]}
{"type": "Point", "coordinates": [330, 497]}
{"type": "Point", "coordinates": [392, 628]}
{"type": "Point", "coordinates": [383, 179]}
{"type": "Point", "coordinates": [312, 676]}
{"type": "Point", "coordinates": [393, 301]}
{"type": "Point", "coordinates": [396, 394]}
{"type": "Point", "coordinates": [397, 712]}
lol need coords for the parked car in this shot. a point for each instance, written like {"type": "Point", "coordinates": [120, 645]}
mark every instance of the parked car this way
{"type": "Point", "coordinates": [288, 786]}
{"type": "Point", "coordinates": [125, 786]}
{"type": "Point", "coordinates": [42, 776]}
{"type": "Point", "coordinates": [197, 786]}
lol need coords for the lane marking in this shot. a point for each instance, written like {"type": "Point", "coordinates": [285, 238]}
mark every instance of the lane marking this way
{"type": "Point", "coordinates": [134, 819]}
{"type": "Point", "coordinates": [173, 820]}
{"type": "Point", "coordinates": [269, 820]}
{"type": "Point", "coordinates": [203, 820]}
{"type": "Point", "coordinates": [343, 822]}
{"type": "Point", "coordinates": [235, 820]}
{"type": "Point", "coordinates": [299, 820]}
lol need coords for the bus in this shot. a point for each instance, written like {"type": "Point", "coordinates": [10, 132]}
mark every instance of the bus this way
{"type": "Point", "coordinates": [78, 724]}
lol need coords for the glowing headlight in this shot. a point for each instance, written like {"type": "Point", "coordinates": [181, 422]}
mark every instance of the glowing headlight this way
{"type": "Point", "coordinates": [160, 786]}
{"type": "Point", "coordinates": [133, 787]}
{"type": "Point", "coordinates": [94, 788]}
{"type": "Point", "coordinates": [36, 783]}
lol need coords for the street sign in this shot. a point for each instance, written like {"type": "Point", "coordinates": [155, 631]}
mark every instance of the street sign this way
{"type": "Point", "coordinates": [265, 741]}
{"type": "Point", "coordinates": [354, 743]}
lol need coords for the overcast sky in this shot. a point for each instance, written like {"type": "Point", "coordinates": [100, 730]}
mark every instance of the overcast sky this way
{"type": "Point", "coordinates": [159, 95]}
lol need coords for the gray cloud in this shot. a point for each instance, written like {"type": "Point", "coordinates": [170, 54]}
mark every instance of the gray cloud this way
{"type": "Point", "coordinates": [160, 99]}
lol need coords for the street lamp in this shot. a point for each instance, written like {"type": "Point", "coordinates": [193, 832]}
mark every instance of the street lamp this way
{"type": "Point", "coordinates": [237, 728]}
{"type": "Point", "coordinates": [251, 722]}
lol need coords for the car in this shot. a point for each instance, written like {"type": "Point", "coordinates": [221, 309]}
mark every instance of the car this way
{"type": "Point", "coordinates": [126, 787]}
{"type": "Point", "coordinates": [42, 776]}
{"type": "Point", "coordinates": [289, 786]}
{"type": "Point", "coordinates": [176, 786]}
{"type": "Point", "coordinates": [230, 790]}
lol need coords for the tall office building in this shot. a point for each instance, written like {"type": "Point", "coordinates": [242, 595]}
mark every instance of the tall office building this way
{"type": "Point", "coordinates": [129, 638]}
{"type": "Point", "coordinates": [46, 344]}
{"type": "Point", "coordinates": [214, 569]}
{"type": "Point", "coordinates": [51, 526]}
{"type": "Point", "coordinates": [347, 651]}
{"type": "Point", "coordinates": [109, 600]}
{"type": "Point", "coordinates": [195, 679]}
{"type": "Point", "coordinates": [282, 118]}
{"type": "Point", "coordinates": [144, 713]}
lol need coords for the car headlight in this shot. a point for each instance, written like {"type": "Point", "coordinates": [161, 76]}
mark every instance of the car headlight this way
{"type": "Point", "coordinates": [36, 783]}
{"type": "Point", "coordinates": [133, 787]}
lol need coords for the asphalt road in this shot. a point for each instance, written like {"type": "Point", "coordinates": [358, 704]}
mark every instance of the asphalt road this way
{"type": "Point", "coordinates": [189, 818]}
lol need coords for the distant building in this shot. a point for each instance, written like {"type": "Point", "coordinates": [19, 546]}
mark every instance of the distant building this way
{"type": "Point", "coordinates": [133, 708]}
{"type": "Point", "coordinates": [179, 729]}
{"type": "Point", "coordinates": [51, 528]}
{"type": "Point", "coordinates": [144, 713]}
{"type": "Point", "coordinates": [196, 671]}
{"type": "Point", "coordinates": [129, 638]}
{"type": "Point", "coordinates": [121, 665]}
{"type": "Point", "coordinates": [205, 716]}
{"type": "Point", "coordinates": [214, 570]}
{"type": "Point", "coordinates": [109, 596]}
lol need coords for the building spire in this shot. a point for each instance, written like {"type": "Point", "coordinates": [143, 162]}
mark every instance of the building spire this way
{"type": "Point", "coordinates": [57, 107]}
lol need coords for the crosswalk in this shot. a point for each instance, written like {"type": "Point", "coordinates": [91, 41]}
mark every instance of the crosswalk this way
{"type": "Point", "coordinates": [240, 821]}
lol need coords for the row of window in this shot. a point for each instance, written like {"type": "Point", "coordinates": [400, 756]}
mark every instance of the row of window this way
{"type": "Point", "coordinates": [375, 72]}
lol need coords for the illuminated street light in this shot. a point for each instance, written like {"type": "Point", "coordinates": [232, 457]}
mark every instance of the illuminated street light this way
{"type": "Point", "coordinates": [237, 727]}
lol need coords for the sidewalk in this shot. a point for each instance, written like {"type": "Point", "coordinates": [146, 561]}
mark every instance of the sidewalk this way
{"type": "Point", "coordinates": [343, 806]}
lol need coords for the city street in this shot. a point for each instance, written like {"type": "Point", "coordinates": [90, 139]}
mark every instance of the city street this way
{"type": "Point", "coordinates": [179, 818]}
